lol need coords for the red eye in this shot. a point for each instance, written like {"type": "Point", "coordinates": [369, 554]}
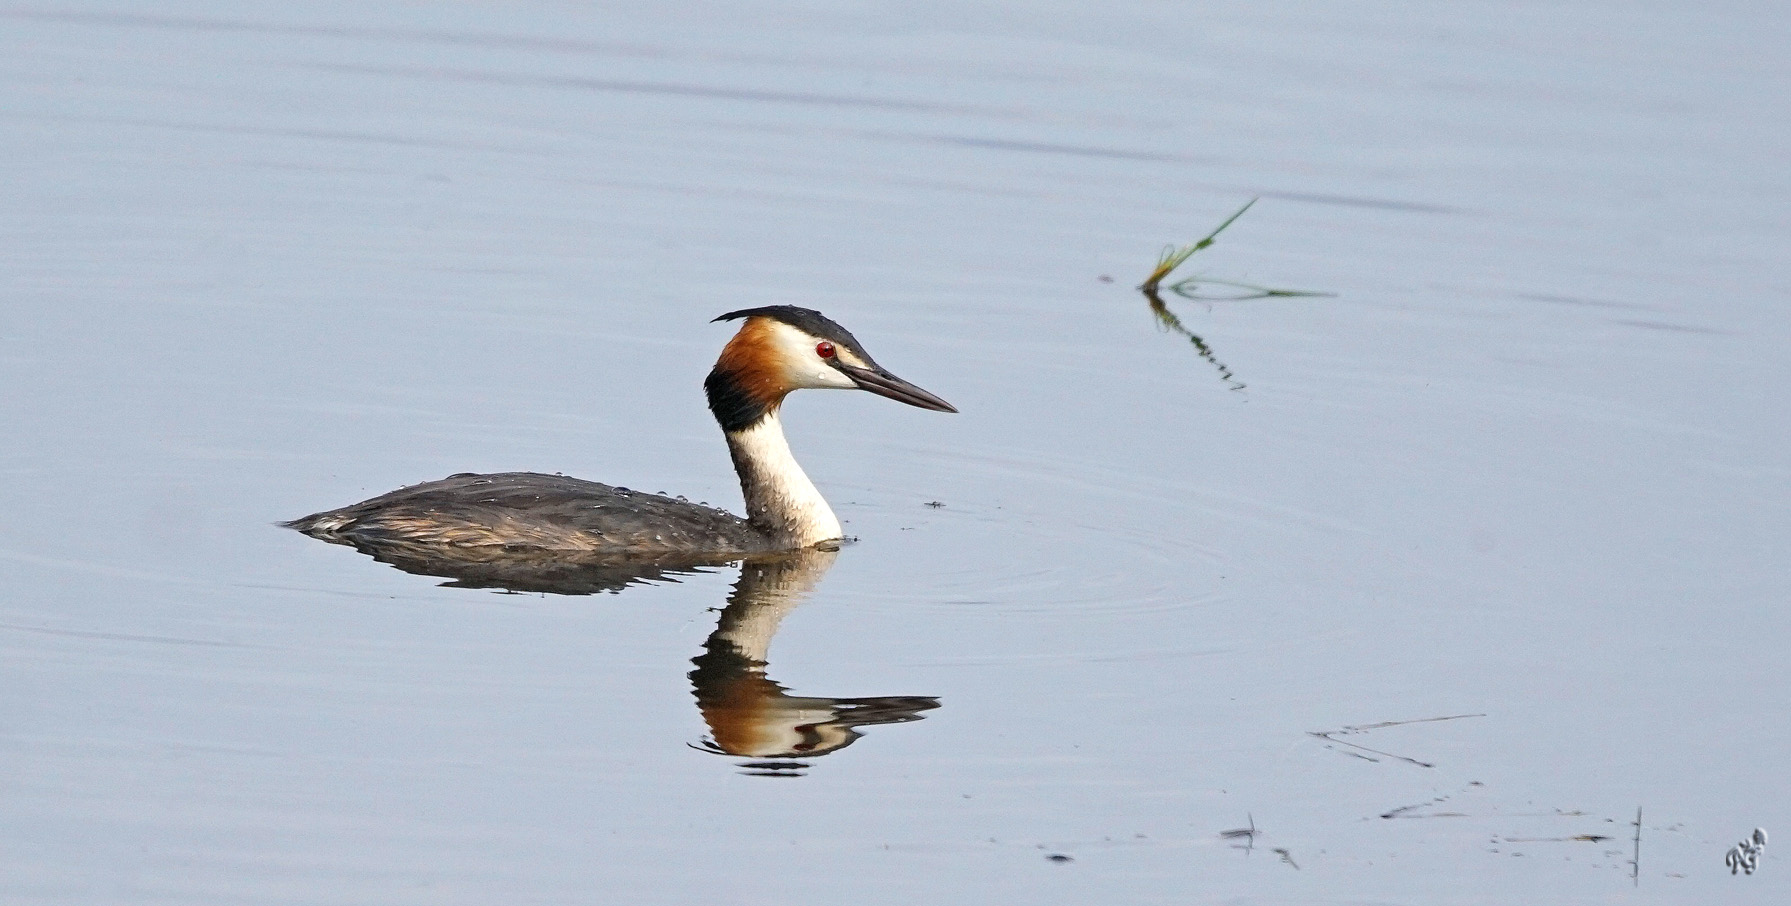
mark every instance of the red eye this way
{"type": "Point", "coordinates": [824, 349]}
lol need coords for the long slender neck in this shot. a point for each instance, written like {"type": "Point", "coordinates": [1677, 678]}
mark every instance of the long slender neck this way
{"type": "Point", "coordinates": [780, 499]}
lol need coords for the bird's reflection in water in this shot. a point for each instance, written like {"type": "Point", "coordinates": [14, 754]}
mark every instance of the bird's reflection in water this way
{"type": "Point", "coordinates": [749, 715]}
{"type": "Point", "coordinates": [558, 573]}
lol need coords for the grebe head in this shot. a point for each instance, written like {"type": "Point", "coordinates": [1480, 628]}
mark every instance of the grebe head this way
{"type": "Point", "coordinates": [782, 348]}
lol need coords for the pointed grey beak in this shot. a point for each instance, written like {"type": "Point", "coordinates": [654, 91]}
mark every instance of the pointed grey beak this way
{"type": "Point", "coordinates": [882, 383]}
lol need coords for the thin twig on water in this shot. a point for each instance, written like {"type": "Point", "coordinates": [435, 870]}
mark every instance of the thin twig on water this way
{"type": "Point", "coordinates": [1331, 735]}
{"type": "Point", "coordinates": [1172, 257]}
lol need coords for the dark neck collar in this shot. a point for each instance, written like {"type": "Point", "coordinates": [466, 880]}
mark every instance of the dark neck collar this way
{"type": "Point", "coordinates": [733, 406]}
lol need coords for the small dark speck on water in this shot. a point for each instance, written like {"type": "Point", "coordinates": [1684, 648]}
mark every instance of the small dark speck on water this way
{"type": "Point", "coordinates": [1059, 857]}
{"type": "Point", "coordinates": [1106, 278]}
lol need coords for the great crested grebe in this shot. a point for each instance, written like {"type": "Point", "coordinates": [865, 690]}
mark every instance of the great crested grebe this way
{"type": "Point", "coordinates": [778, 349]}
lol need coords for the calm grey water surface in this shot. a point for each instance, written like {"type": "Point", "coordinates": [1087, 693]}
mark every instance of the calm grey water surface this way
{"type": "Point", "coordinates": [1529, 464]}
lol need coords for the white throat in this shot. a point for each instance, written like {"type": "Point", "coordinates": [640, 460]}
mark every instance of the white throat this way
{"type": "Point", "coordinates": [779, 497]}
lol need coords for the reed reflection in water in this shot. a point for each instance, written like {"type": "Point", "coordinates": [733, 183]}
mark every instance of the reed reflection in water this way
{"type": "Point", "coordinates": [749, 715]}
